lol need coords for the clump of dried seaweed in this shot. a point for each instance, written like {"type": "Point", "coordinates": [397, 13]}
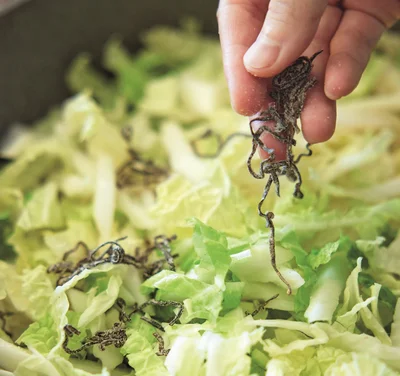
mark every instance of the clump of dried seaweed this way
{"type": "Point", "coordinates": [137, 171]}
{"type": "Point", "coordinates": [120, 305]}
{"type": "Point", "coordinates": [117, 335]}
{"type": "Point", "coordinates": [150, 268]}
{"type": "Point", "coordinates": [289, 89]}
{"type": "Point", "coordinates": [115, 254]}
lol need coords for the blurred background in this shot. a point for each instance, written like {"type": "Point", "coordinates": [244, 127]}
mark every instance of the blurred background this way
{"type": "Point", "coordinates": [40, 38]}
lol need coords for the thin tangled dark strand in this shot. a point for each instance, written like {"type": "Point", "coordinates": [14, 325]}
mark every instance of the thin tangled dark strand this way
{"type": "Point", "coordinates": [156, 324]}
{"type": "Point", "coordinates": [114, 254]}
{"type": "Point", "coordinates": [161, 350]}
{"type": "Point", "coordinates": [221, 143]}
{"type": "Point", "coordinates": [289, 89]}
{"type": "Point", "coordinates": [124, 317]}
{"type": "Point", "coordinates": [308, 154]}
{"type": "Point", "coordinates": [136, 170]}
{"type": "Point", "coordinates": [163, 243]}
{"type": "Point", "coordinates": [120, 305]}
{"type": "Point", "coordinates": [115, 336]}
{"type": "Point", "coordinates": [65, 268]}
{"type": "Point", "coordinates": [165, 303]}
{"type": "Point", "coordinates": [262, 306]}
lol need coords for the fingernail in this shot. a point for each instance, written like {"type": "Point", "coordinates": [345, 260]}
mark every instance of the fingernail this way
{"type": "Point", "coordinates": [261, 55]}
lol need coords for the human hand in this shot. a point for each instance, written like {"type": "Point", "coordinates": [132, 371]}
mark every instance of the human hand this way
{"type": "Point", "coordinates": [260, 38]}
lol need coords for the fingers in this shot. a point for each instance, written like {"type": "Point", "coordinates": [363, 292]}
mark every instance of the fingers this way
{"type": "Point", "coordinates": [318, 117]}
{"type": "Point", "coordinates": [351, 47]}
{"type": "Point", "coordinates": [319, 114]}
{"type": "Point", "coordinates": [288, 29]}
{"type": "Point", "coordinates": [385, 11]}
{"type": "Point", "coordinates": [239, 22]}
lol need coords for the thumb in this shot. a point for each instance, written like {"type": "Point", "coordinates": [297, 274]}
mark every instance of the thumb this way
{"type": "Point", "coordinates": [288, 29]}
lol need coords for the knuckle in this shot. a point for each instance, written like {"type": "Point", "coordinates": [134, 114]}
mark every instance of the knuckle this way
{"type": "Point", "coordinates": [255, 9]}
{"type": "Point", "coordinates": [387, 13]}
{"type": "Point", "coordinates": [365, 44]}
{"type": "Point", "coordinates": [359, 46]}
{"type": "Point", "coordinates": [289, 16]}
{"type": "Point", "coordinates": [279, 21]}
{"type": "Point", "coordinates": [280, 11]}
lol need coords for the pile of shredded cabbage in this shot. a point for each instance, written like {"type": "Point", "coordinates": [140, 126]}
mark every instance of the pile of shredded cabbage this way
{"type": "Point", "coordinates": [339, 247]}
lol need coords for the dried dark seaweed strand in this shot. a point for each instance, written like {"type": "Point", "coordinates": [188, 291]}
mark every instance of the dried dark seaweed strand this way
{"type": "Point", "coordinates": [115, 336]}
{"type": "Point", "coordinates": [297, 188]}
{"type": "Point", "coordinates": [88, 263]}
{"type": "Point", "coordinates": [163, 244]}
{"type": "Point", "coordinates": [146, 168]}
{"type": "Point", "coordinates": [268, 165]}
{"type": "Point", "coordinates": [153, 322]}
{"type": "Point", "coordinates": [309, 154]}
{"type": "Point", "coordinates": [69, 331]}
{"type": "Point", "coordinates": [267, 129]}
{"type": "Point", "coordinates": [261, 306]}
{"type": "Point", "coordinates": [3, 320]}
{"type": "Point", "coordinates": [165, 303]}
{"type": "Point", "coordinates": [294, 73]}
{"type": "Point", "coordinates": [137, 165]}
{"type": "Point", "coordinates": [289, 90]}
{"type": "Point", "coordinates": [207, 134]}
{"type": "Point", "coordinates": [221, 144]}
{"type": "Point", "coordinates": [73, 250]}
{"type": "Point", "coordinates": [259, 143]}
{"type": "Point", "coordinates": [160, 242]}
{"type": "Point", "coordinates": [249, 159]}
{"type": "Point", "coordinates": [143, 256]}
{"type": "Point", "coordinates": [120, 306]}
{"type": "Point", "coordinates": [153, 268]}
{"type": "Point", "coordinates": [115, 255]}
{"type": "Point", "coordinates": [67, 266]}
{"type": "Point", "coordinates": [156, 324]}
{"type": "Point", "coordinates": [111, 242]}
{"type": "Point", "coordinates": [269, 216]}
{"type": "Point", "coordinates": [161, 350]}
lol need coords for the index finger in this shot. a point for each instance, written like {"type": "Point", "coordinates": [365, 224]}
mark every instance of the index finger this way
{"type": "Point", "coordinates": [239, 23]}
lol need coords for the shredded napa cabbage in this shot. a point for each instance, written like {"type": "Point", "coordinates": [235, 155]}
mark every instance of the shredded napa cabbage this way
{"type": "Point", "coordinates": [339, 247]}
